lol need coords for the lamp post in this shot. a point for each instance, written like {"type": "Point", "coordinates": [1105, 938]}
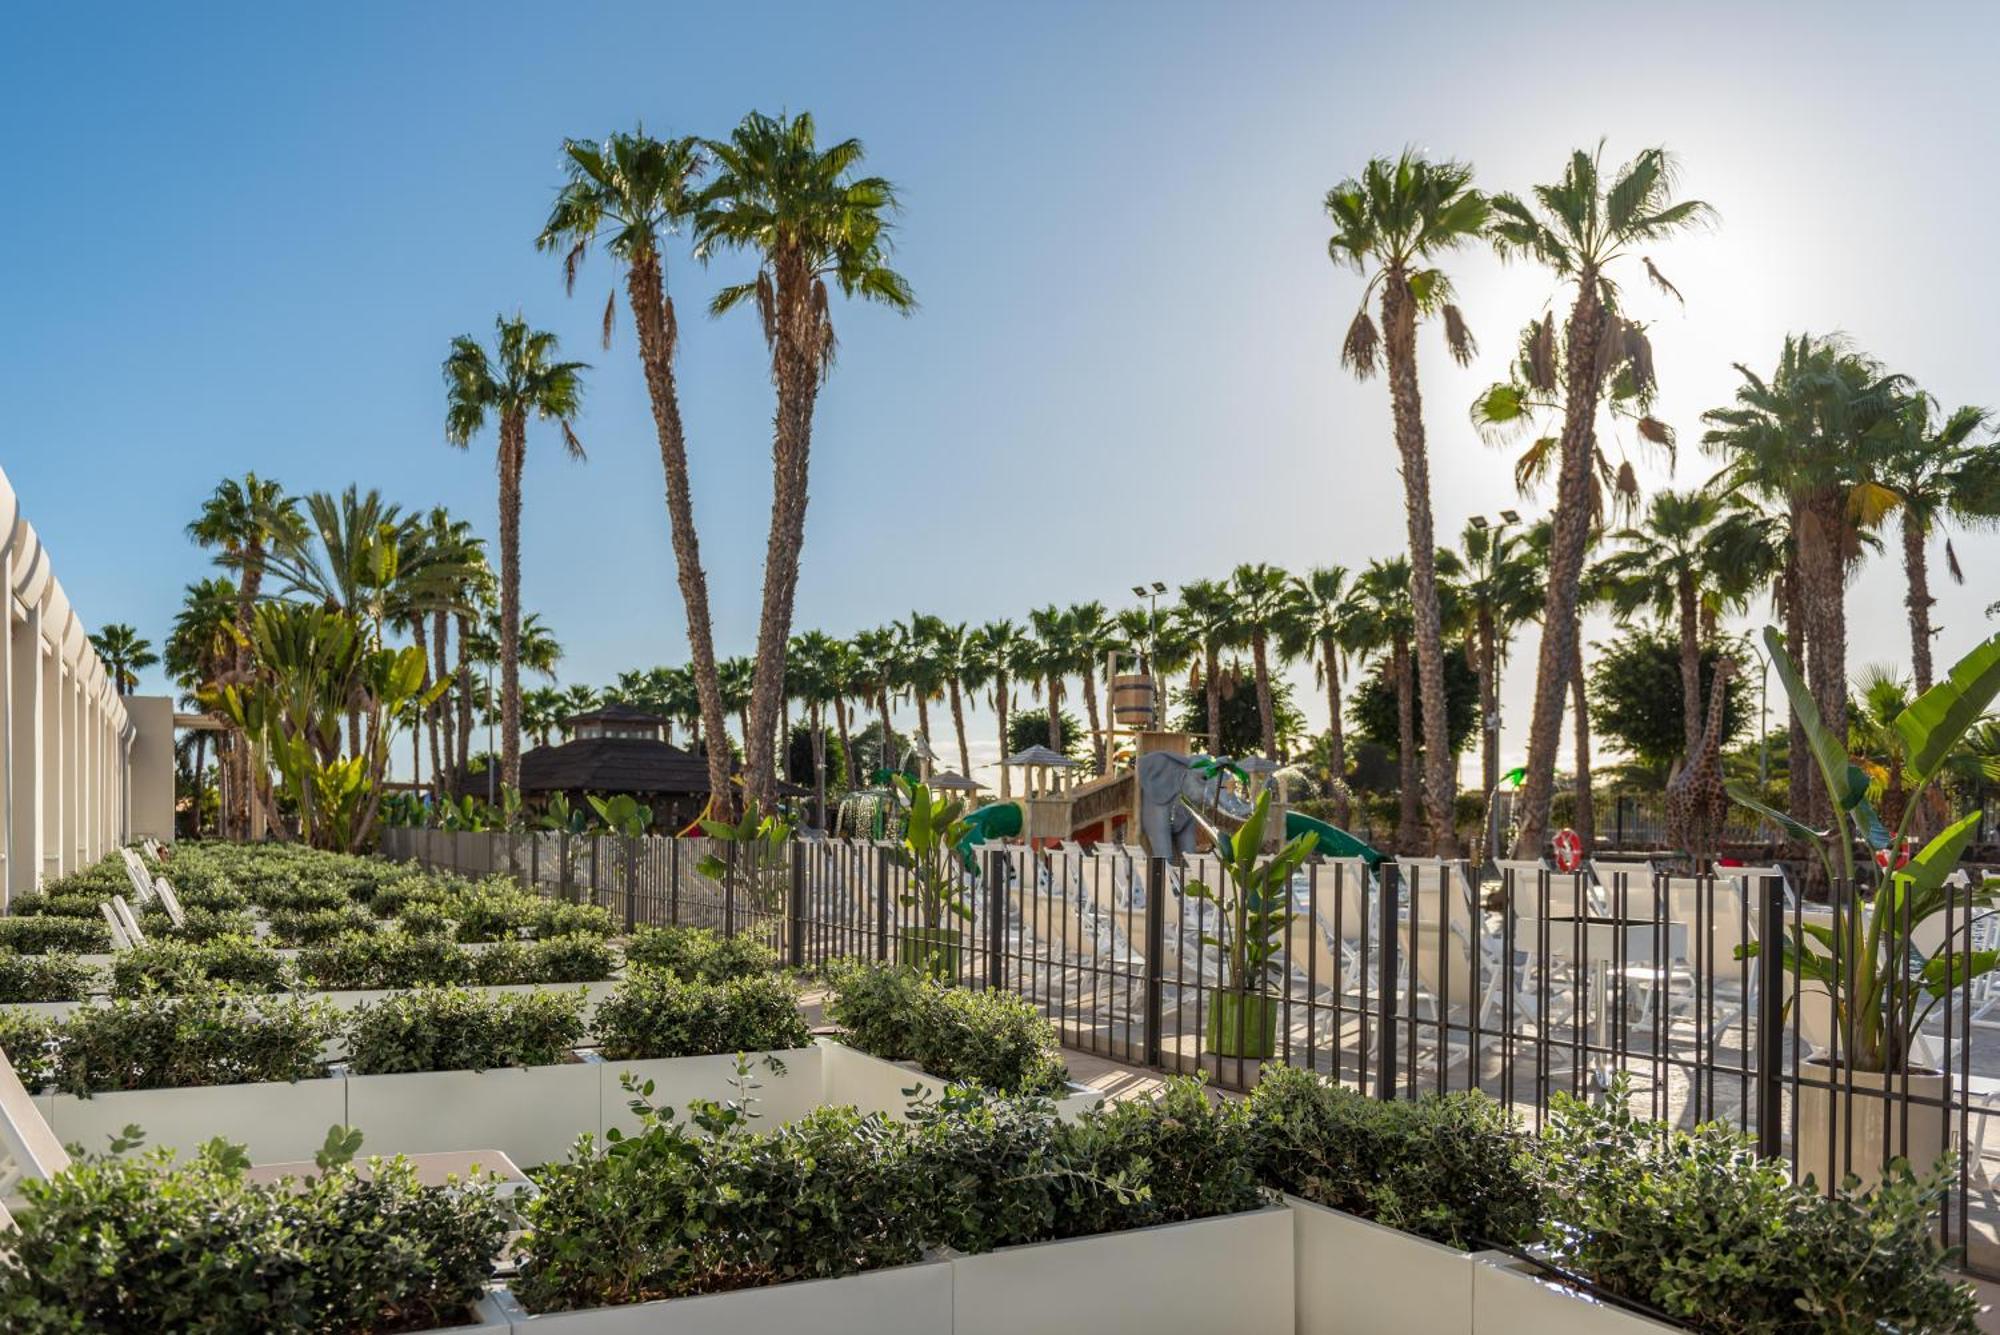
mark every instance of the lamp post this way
{"type": "Point", "coordinates": [492, 756]}
{"type": "Point", "coordinates": [1151, 593]}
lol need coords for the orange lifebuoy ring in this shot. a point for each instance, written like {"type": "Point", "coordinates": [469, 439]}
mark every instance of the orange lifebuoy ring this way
{"type": "Point", "coordinates": [1568, 846]}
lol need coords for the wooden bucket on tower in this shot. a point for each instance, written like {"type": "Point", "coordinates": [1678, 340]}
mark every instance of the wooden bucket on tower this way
{"type": "Point", "coordinates": [1132, 701]}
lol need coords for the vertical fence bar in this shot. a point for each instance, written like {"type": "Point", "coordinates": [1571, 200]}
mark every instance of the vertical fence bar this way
{"type": "Point", "coordinates": [1156, 949]}
{"type": "Point", "coordinates": [881, 903]}
{"type": "Point", "coordinates": [1770, 1017]}
{"type": "Point", "coordinates": [631, 884]}
{"type": "Point", "coordinates": [1386, 948]}
{"type": "Point", "coordinates": [729, 892]}
{"type": "Point", "coordinates": [996, 919]}
{"type": "Point", "coordinates": [795, 927]}
{"type": "Point", "coordinates": [674, 882]}
{"type": "Point", "coordinates": [564, 883]}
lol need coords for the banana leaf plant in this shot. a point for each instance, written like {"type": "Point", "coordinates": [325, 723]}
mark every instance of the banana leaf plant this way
{"type": "Point", "coordinates": [1256, 902]}
{"type": "Point", "coordinates": [622, 814]}
{"type": "Point", "coordinates": [932, 833]}
{"type": "Point", "coordinates": [1882, 988]}
{"type": "Point", "coordinates": [761, 865]}
{"type": "Point", "coordinates": [559, 816]}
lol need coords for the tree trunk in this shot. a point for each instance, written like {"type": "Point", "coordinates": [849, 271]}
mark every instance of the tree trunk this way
{"type": "Point", "coordinates": [1212, 684]}
{"type": "Point", "coordinates": [443, 742]}
{"type": "Point", "coordinates": [1096, 721]}
{"type": "Point", "coordinates": [1586, 805]}
{"type": "Point", "coordinates": [1801, 777]}
{"type": "Point", "coordinates": [1553, 669]}
{"type": "Point", "coordinates": [1487, 657]}
{"type": "Point", "coordinates": [1823, 578]}
{"type": "Point", "coordinates": [796, 366]}
{"type": "Point", "coordinates": [1399, 324]}
{"type": "Point", "coordinates": [464, 699]}
{"type": "Point", "coordinates": [819, 758]}
{"type": "Point", "coordinates": [1267, 723]}
{"type": "Point", "coordinates": [653, 315]}
{"type": "Point", "coordinates": [1055, 715]}
{"type": "Point", "coordinates": [846, 751]}
{"type": "Point", "coordinates": [1336, 738]}
{"type": "Point", "coordinates": [513, 458]}
{"type": "Point", "coordinates": [1916, 569]}
{"type": "Point", "coordinates": [1690, 666]}
{"type": "Point", "coordinates": [1000, 693]}
{"type": "Point", "coordinates": [958, 725]}
{"type": "Point", "coordinates": [885, 760]}
{"type": "Point", "coordinates": [200, 778]}
{"type": "Point", "coordinates": [1409, 823]}
{"type": "Point", "coordinates": [924, 725]}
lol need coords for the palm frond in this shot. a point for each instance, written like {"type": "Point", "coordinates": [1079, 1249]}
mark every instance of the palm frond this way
{"type": "Point", "coordinates": [1358, 350]}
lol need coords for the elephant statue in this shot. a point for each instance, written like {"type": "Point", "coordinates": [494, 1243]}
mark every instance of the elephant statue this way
{"type": "Point", "coordinates": [1166, 823]}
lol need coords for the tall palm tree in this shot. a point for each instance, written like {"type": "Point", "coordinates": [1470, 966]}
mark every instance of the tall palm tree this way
{"type": "Point", "coordinates": [1092, 636]}
{"type": "Point", "coordinates": [634, 191]}
{"type": "Point", "coordinates": [1206, 617]}
{"type": "Point", "coordinates": [811, 222]}
{"type": "Point", "coordinates": [1805, 439]}
{"type": "Point", "coordinates": [842, 677]}
{"type": "Point", "coordinates": [1582, 227]}
{"type": "Point", "coordinates": [1501, 588]}
{"type": "Point", "coordinates": [1317, 624]}
{"type": "Point", "coordinates": [921, 676]}
{"type": "Point", "coordinates": [242, 520]}
{"type": "Point", "coordinates": [812, 670]}
{"type": "Point", "coordinates": [521, 379]}
{"type": "Point", "coordinates": [200, 649]}
{"type": "Point", "coordinates": [952, 649]}
{"type": "Point", "coordinates": [738, 675]}
{"type": "Point", "coordinates": [1259, 593]}
{"type": "Point", "coordinates": [1395, 220]}
{"type": "Point", "coordinates": [1938, 475]}
{"type": "Point", "coordinates": [1054, 657]}
{"type": "Point", "coordinates": [126, 653]}
{"type": "Point", "coordinates": [1384, 623]}
{"type": "Point", "coordinates": [541, 711]}
{"type": "Point", "coordinates": [877, 672]}
{"type": "Point", "coordinates": [1005, 653]}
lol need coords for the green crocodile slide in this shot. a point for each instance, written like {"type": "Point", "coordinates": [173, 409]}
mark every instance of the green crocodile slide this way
{"type": "Point", "coordinates": [1334, 842]}
{"type": "Point", "coordinates": [997, 820]}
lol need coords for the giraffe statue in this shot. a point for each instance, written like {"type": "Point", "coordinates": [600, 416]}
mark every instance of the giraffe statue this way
{"type": "Point", "coordinates": [1697, 806]}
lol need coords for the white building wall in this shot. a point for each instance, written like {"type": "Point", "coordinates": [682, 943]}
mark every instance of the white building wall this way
{"type": "Point", "coordinates": [65, 736]}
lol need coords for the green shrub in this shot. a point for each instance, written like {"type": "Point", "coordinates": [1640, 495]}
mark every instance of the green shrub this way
{"type": "Point", "coordinates": [697, 952]}
{"type": "Point", "coordinates": [1453, 1167]}
{"type": "Point", "coordinates": [992, 1039]}
{"type": "Point", "coordinates": [450, 1029]}
{"type": "Point", "coordinates": [669, 1214]}
{"type": "Point", "coordinates": [425, 919]}
{"type": "Point", "coordinates": [312, 927]}
{"type": "Point", "coordinates": [393, 897]}
{"type": "Point", "coordinates": [44, 978]}
{"type": "Point", "coordinates": [28, 1040]}
{"type": "Point", "coordinates": [65, 904]}
{"type": "Point", "coordinates": [45, 933]}
{"type": "Point", "coordinates": [1191, 1150]}
{"type": "Point", "coordinates": [561, 959]}
{"type": "Point", "coordinates": [1698, 1226]}
{"type": "Point", "coordinates": [179, 966]}
{"type": "Point", "coordinates": [654, 1014]}
{"type": "Point", "coordinates": [145, 1243]}
{"type": "Point", "coordinates": [383, 959]}
{"type": "Point", "coordinates": [209, 1036]}
{"type": "Point", "coordinates": [200, 924]}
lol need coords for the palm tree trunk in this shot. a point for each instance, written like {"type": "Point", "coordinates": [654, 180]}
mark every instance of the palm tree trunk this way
{"type": "Point", "coordinates": [924, 722]}
{"type": "Point", "coordinates": [513, 460]}
{"type": "Point", "coordinates": [1823, 571]}
{"type": "Point", "coordinates": [1055, 715]}
{"type": "Point", "coordinates": [958, 725]}
{"type": "Point", "coordinates": [1690, 666]}
{"type": "Point", "coordinates": [795, 367]}
{"type": "Point", "coordinates": [464, 697]}
{"type": "Point", "coordinates": [1399, 323]}
{"type": "Point", "coordinates": [1267, 722]}
{"type": "Point", "coordinates": [1916, 569]}
{"type": "Point", "coordinates": [1409, 823]}
{"type": "Point", "coordinates": [819, 758]}
{"type": "Point", "coordinates": [443, 743]}
{"type": "Point", "coordinates": [1000, 692]}
{"type": "Point", "coordinates": [1336, 738]}
{"type": "Point", "coordinates": [1486, 656]}
{"type": "Point", "coordinates": [1212, 696]}
{"type": "Point", "coordinates": [1096, 721]}
{"type": "Point", "coordinates": [1573, 518]}
{"type": "Point", "coordinates": [1586, 802]}
{"type": "Point", "coordinates": [1799, 771]}
{"type": "Point", "coordinates": [653, 315]}
{"type": "Point", "coordinates": [200, 776]}
{"type": "Point", "coordinates": [846, 751]}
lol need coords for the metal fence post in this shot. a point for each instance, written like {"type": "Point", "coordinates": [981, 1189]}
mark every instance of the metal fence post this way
{"type": "Point", "coordinates": [795, 943]}
{"type": "Point", "coordinates": [631, 884]}
{"type": "Point", "coordinates": [996, 919]}
{"type": "Point", "coordinates": [881, 903]}
{"type": "Point", "coordinates": [1386, 950]}
{"type": "Point", "coordinates": [596, 863]}
{"type": "Point", "coordinates": [1156, 939]}
{"type": "Point", "coordinates": [1770, 1017]}
{"type": "Point", "coordinates": [565, 881]}
{"type": "Point", "coordinates": [674, 880]}
{"type": "Point", "coordinates": [729, 892]}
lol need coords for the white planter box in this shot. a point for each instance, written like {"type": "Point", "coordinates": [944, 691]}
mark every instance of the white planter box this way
{"type": "Point", "coordinates": [905, 1300]}
{"type": "Point", "coordinates": [1233, 1273]}
{"type": "Point", "coordinates": [679, 1080]}
{"type": "Point", "coordinates": [487, 1315]}
{"type": "Point", "coordinates": [274, 1121]}
{"type": "Point", "coordinates": [874, 1085]}
{"type": "Point", "coordinates": [533, 1114]}
{"type": "Point", "coordinates": [1356, 1277]}
{"type": "Point", "coordinates": [1510, 1298]}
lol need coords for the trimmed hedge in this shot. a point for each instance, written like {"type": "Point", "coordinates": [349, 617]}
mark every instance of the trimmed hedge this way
{"type": "Point", "coordinates": [697, 952]}
{"type": "Point", "coordinates": [450, 1029]}
{"type": "Point", "coordinates": [656, 1014]}
{"type": "Point", "coordinates": [52, 977]}
{"type": "Point", "coordinates": [212, 1036]}
{"type": "Point", "coordinates": [183, 966]}
{"type": "Point", "coordinates": [992, 1039]}
{"type": "Point", "coordinates": [49, 933]}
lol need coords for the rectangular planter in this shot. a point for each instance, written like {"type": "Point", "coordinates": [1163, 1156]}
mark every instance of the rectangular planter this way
{"type": "Point", "coordinates": [534, 1114]}
{"type": "Point", "coordinates": [871, 1084]}
{"type": "Point", "coordinates": [1510, 1298]}
{"type": "Point", "coordinates": [905, 1300]}
{"type": "Point", "coordinates": [1232, 1273]}
{"type": "Point", "coordinates": [274, 1121]}
{"type": "Point", "coordinates": [677, 1080]}
{"type": "Point", "coordinates": [1355, 1277]}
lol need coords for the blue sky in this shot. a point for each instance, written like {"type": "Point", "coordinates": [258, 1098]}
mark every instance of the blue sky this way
{"type": "Point", "coordinates": [241, 237]}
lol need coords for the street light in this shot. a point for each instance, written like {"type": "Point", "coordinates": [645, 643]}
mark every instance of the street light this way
{"type": "Point", "coordinates": [1152, 597]}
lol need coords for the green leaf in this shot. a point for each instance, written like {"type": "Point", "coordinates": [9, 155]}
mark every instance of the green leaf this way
{"type": "Point", "coordinates": [1826, 748]}
{"type": "Point", "coordinates": [1937, 720]}
{"type": "Point", "coordinates": [1741, 796]}
{"type": "Point", "coordinates": [342, 1142]}
{"type": "Point", "coordinates": [1856, 790]}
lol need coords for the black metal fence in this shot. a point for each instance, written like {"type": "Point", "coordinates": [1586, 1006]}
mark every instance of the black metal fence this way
{"type": "Point", "coordinates": [1413, 977]}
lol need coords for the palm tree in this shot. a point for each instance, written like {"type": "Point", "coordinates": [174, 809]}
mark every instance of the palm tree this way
{"type": "Point", "coordinates": [810, 220]}
{"type": "Point", "coordinates": [1500, 589]}
{"type": "Point", "coordinates": [1384, 622]}
{"type": "Point", "coordinates": [1004, 653]}
{"type": "Point", "coordinates": [876, 672]}
{"type": "Point", "coordinates": [1317, 624]}
{"type": "Point", "coordinates": [1937, 475]}
{"type": "Point", "coordinates": [952, 649]}
{"type": "Point", "coordinates": [1092, 636]}
{"type": "Point", "coordinates": [541, 711]}
{"type": "Point", "coordinates": [1054, 655]}
{"type": "Point", "coordinates": [920, 675]}
{"type": "Point", "coordinates": [1581, 227]}
{"type": "Point", "coordinates": [1805, 439]}
{"type": "Point", "coordinates": [125, 653]}
{"type": "Point", "coordinates": [842, 674]}
{"type": "Point", "coordinates": [242, 520]}
{"type": "Point", "coordinates": [812, 670]}
{"type": "Point", "coordinates": [200, 649]}
{"type": "Point", "coordinates": [1396, 219]}
{"type": "Point", "coordinates": [1206, 618]}
{"type": "Point", "coordinates": [521, 379]}
{"type": "Point", "coordinates": [738, 675]}
{"type": "Point", "coordinates": [635, 191]}
{"type": "Point", "coordinates": [1259, 593]}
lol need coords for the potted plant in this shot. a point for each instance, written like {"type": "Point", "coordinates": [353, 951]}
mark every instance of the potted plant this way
{"type": "Point", "coordinates": [936, 889]}
{"type": "Point", "coordinates": [1254, 909]}
{"type": "Point", "coordinates": [1877, 1086]}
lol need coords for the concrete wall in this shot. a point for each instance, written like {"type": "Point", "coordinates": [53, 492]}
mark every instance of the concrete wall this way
{"type": "Point", "coordinates": [65, 737]}
{"type": "Point", "coordinates": [152, 767]}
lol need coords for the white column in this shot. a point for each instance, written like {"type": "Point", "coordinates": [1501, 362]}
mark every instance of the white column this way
{"type": "Point", "coordinates": [50, 706]}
